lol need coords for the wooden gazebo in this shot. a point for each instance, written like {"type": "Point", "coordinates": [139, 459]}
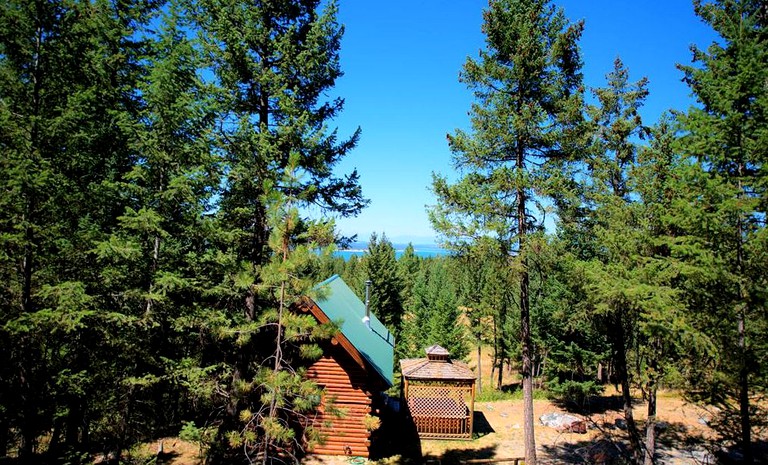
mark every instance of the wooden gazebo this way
{"type": "Point", "coordinates": [439, 394]}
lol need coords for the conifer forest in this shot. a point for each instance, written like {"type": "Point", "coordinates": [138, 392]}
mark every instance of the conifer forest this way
{"type": "Point", "coordinates": [168, 187]}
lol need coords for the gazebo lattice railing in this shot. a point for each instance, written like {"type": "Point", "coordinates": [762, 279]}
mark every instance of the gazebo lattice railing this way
{"type": "Point", "coordinates": [441, 411]}
{"type": "Point", "coordinates": [439, 395]}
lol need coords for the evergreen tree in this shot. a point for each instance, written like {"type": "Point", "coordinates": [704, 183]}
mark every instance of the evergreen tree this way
{"type": "Point", "coordinates": [136, 211]}
{"type": "Point", "coordinates": [723, 221]}
{"type": "Point", "coordinates": [433, 317]}
{"type": "Point", "coordinates": [386, 289]}
{"type": "Point", "coordinates": [407, 270]}
{"type": "Point", "coordinates": [272, 64]}
{"type": "Point", "coordinates": [413, 340]}
{"type": "Point", "coordinates": [527, 83]}
{"type": "Point", "coordinates": [68, 74]}
{"type": "Point", "coordinates": [630, 280]}
{"type": "Point", "coordinates": [150, 263]}
{"type": "Point", "coordinates": [276, 402]}
{"type": "Point", "coordinates": [354, 275]}
{"type": "Point", "coordinates": [617, 223]}
{"type": "Point", "coordinates": [573, 348]}
{"type": "Point", "coordinates": [669, 343]}
{"type": "Point", "coordinates": [473, 274]}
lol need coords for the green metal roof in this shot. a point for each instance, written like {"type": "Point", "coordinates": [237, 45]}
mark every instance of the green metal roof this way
{"type": "Point", "coordinates": [376, 344]}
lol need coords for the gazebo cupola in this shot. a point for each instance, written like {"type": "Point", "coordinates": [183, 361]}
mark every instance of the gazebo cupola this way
{"type": "Point", "coordinates": [436, 353]}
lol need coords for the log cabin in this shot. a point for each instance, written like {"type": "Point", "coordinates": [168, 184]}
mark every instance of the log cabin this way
{"type": "Point", "coordinates": [356, 367]}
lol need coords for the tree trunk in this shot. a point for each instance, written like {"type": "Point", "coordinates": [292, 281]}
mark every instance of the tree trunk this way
{"type": "Point", "coordinates": [622, 373]}
{"type": "Point", "coordinates": [74, 420]}
{"type": "Point", "coordinates": [746, 426]}
{"type": "Point", "coordinates": [27, 428]}
{"type": "Point", "coordinates": [28, 260]}
{"type": "Point", "coordinates": [650, 426]}
{"type": "Point", "coordinates": [542, 367]}
{"type": "Point", "coordinates": [479, 366]}
{"type": "Point", "coordinates": [495, 350]}
{"type": "Point", "coordinates": [528, 429]}
{"type": "Point", "coordinates": [27, 445]}
{"type": "Point", "coordinates": [54, 444]}
{"type": "Point", "coordinates": [525, 321]}
{"type": "Point", "coordinates": [153, 266]}
{"type": "Point", "coordinates": [502, 347]}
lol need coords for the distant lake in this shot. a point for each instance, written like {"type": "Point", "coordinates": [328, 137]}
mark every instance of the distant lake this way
{"type": "Point", "coordinates": [420, 250]}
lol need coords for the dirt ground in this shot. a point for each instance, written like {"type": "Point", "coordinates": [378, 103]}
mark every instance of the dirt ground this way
{"type": "Point", "coordinates": [683, 437]}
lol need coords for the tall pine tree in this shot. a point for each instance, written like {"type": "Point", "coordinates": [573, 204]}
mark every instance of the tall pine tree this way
{"type": "Point", "coordinates": [68, 74]}
{"type": "Point", "coordinates": [616, 227]}
{"type": "Point", "coordinates": [271, 64]}
{"type": "Point", "coordinates": [724, 225]}
{"type": "Point", "coordinates": [527, 85]}
{"type": "Point", "coordinates": [386, 289]}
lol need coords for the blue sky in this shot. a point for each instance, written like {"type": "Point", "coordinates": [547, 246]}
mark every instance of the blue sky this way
{"type": "Point", "coordinates": [401, 61]}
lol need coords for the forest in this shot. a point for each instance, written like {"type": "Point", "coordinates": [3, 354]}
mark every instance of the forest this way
{"type": "Point", "coordinates": [169, 188]}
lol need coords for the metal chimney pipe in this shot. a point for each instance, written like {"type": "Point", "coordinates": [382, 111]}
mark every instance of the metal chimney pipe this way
{"type": "Point", "coordinates": [367, 318]}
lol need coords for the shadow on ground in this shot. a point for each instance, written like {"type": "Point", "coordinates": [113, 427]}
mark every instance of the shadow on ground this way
{"type": "Point", "coordinates": [596, 404]}
{"type": "Point", "coordinates": [604, 450]}
{"type": "Point", "coordinates": [460, 456]}
{"type": "Point", "coordinates": [480, 425]}
{"type": "Point", "coordinates": [512, 387]}
{"type": "Point", "coordinates": [674, 444]}
{"type": "Point", "coordinates": [397, 436]}
{"type": "Point", "coordinates": [166, 457]}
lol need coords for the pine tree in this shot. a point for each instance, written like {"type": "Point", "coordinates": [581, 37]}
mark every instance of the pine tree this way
{"type": "Point", "coordinates": [271, 64]}
{"type": "Point", "coordinates": [631, 287]}
{"type": "Point", "coordinates": [669, 343]}
{"type": "Point", "coordinates": [279, 398]}
{"type": "Point", "coordinates": [68, 71]}
{"type": "Point", "coordinates": [386, 289]}
{"type": "Point", "coordinates": [407, 270]}
{"type": "Point", "coordinates": [527, 83]}
{"type": "Point", "coordinates": [572, 346]}
{"type": "Point", "coordinates": [725, 224]}
{"type": "Point", "coordinates": [354, 275]}
{"type": "Point", "coordinates": [433, 316]}
{"type": "Point", "coordinates": [617, 230]}
{"type": "Point", "coordinates": [472, 276]}
{"type": "Point", "coordinates": [150, 262]}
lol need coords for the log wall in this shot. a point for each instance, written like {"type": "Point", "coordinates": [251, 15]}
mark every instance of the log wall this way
{"type": "Point", "coordinates": [347, 385]}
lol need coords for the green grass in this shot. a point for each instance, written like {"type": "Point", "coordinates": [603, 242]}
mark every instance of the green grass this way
{"type": "Point", "coordinates": [493, 395]}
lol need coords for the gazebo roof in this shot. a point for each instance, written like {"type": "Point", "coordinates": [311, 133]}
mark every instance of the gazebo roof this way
{"type": "Point", "coordinates": [436, 368]}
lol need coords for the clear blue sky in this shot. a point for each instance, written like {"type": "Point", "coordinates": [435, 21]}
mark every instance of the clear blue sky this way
{"type": "Point", "coordinates": [401, 60]}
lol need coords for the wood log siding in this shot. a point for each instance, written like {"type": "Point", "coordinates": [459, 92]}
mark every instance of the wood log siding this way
{"type": "Point", "coordinates": [347, 384]}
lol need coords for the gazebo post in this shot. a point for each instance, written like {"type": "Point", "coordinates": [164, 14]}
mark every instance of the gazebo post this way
{"type": "Point", "coordinates": [472, 411]}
